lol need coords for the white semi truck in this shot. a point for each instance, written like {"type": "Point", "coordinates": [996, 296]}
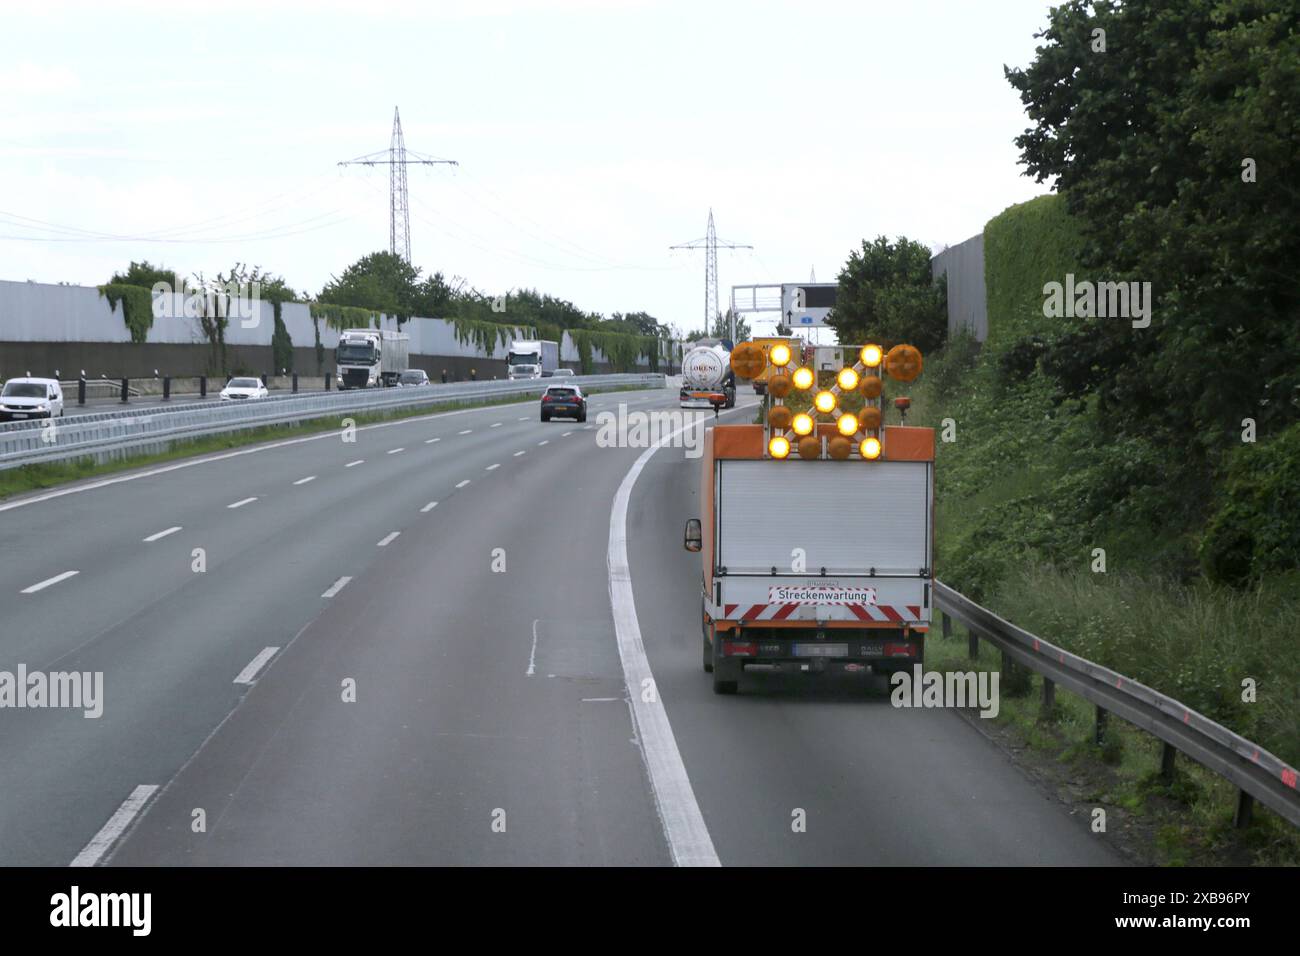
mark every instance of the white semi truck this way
{"type": "Point", "coordinates": [529, 358]}
{"type": "Point", "coordinates": [371, 358]}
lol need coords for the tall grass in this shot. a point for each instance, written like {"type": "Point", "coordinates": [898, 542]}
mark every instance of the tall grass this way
{"type": "Point", "coordinates": [1200, 644]}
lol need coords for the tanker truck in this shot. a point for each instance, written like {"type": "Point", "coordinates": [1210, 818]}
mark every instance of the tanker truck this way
{"type": "Point", "coordinates": [707, 378]}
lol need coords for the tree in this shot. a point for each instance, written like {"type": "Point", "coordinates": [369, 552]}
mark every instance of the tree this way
{"type": "Point", "coordinates": [433, 298]}
{"type": "Point", "coordinates": [381, 281]}
{"type": "Point", "coordinates": [887, 294]}
{"type": "Point", "coordinates": [250, 284]}
{"type": "Point", "coordinates": [1156, 141]}
{"type": "Point", "coordinates": [722, 329]}
{"type": "Point", "coordinates": [146, 275]}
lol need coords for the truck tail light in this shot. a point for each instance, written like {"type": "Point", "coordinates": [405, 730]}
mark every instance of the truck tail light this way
{"type": "Point", "coordinates": [739, 649]}
{"type": "Point", "coordinates": [900, 650]}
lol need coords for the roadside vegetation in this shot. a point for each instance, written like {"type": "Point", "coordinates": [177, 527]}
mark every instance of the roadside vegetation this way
{"type": "Point", "coordinates": [1132, 492]}
{"type": "Point", "coordinates": [384, 283]}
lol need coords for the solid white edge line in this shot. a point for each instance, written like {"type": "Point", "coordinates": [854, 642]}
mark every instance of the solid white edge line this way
{"type": "Point", "coordinates": [162, 534]}
{"type": "Point", "coordinates": [684, 828]}
{"type": "Point", "coordinates": [100, 843]}
{"type": "Point", "coordinates": [388, 539]}
{"type": "Point", "coordinates": [249, 673]}
{"type": "Point", "coordinates": [336, 587]}
{"type": "Point", "coordinates": [42, 585]}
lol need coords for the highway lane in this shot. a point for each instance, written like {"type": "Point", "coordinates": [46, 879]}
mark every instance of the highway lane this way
{"type": "Point", "coordinates": [169, 640]}
{"type": "Point", "coordinates": [485, 698]}
{"type": "Point", "coordinates": [450, 733]}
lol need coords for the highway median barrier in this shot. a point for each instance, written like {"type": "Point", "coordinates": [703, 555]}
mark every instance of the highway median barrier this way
{"type": "Point", "coordinates": [108, 435]}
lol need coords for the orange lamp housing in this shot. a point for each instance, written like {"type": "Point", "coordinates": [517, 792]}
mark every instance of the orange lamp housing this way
{"type": "Point", "coordinates": [869, 418]}
{"type": "Point", "coordinates": [748, 360]}
{"type": "Point", "coordinates": [903, 362]}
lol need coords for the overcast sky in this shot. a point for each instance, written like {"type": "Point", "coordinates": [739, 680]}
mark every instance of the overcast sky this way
{"type": "Point", "coordinates": [591, 136]}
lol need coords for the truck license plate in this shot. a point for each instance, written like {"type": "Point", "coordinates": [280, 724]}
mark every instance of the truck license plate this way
{"type": "Point", "coordinates": [821, 650]}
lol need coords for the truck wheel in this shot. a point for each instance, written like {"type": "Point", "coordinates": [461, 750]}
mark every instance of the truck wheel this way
{"type": "Point", "coordinates": [721, 686]}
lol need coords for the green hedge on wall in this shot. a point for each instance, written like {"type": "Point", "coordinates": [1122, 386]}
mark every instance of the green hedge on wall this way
{"type": "Point", "coordinates": [137, 307]}
{"type": "Point", "coordinates": [344, 316]}
{"type": "Point", "coordinates": [1025, 247]}
{"type": "Point", "coordinates": [486, 336]}
{"type": "Point", "coordinates": [621, 350]}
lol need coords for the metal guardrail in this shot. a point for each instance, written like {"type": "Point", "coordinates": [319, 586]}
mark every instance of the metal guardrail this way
{"type": "Point", "coordinates": [108, 385]}
{"type": "Point", "coordinates": [1257, 774]}
{"type": "Point", "coordinates": [106, 434]}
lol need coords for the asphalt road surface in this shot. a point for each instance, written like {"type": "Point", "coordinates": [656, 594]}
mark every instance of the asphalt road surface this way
{"type": "Point", "coordinates": [405, 650]}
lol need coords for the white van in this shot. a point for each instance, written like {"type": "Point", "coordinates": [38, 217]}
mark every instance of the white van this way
{"type": "Point", "coordinates": [23, 398]}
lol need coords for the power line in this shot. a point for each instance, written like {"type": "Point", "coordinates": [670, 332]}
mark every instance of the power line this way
{"type": "Point", "coordinates": [397, 158]}
{"type": "Point", "coordinates": [710, 244]}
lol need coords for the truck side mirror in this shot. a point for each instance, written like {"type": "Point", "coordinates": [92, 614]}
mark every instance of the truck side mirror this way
{"type": "Point", "coordinates": [694, 537]}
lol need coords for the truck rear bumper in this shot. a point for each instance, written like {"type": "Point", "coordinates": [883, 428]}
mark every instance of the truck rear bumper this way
{"type": "Point", "coordinates": [820, 651]}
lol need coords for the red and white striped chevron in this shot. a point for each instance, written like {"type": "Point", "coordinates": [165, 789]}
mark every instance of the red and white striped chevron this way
{"type": "Point", "coordinates": [863, 612]}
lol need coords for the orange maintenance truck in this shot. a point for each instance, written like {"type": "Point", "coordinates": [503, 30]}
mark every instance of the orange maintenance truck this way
{"type": "Point", "coordinates": [817, 532]}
